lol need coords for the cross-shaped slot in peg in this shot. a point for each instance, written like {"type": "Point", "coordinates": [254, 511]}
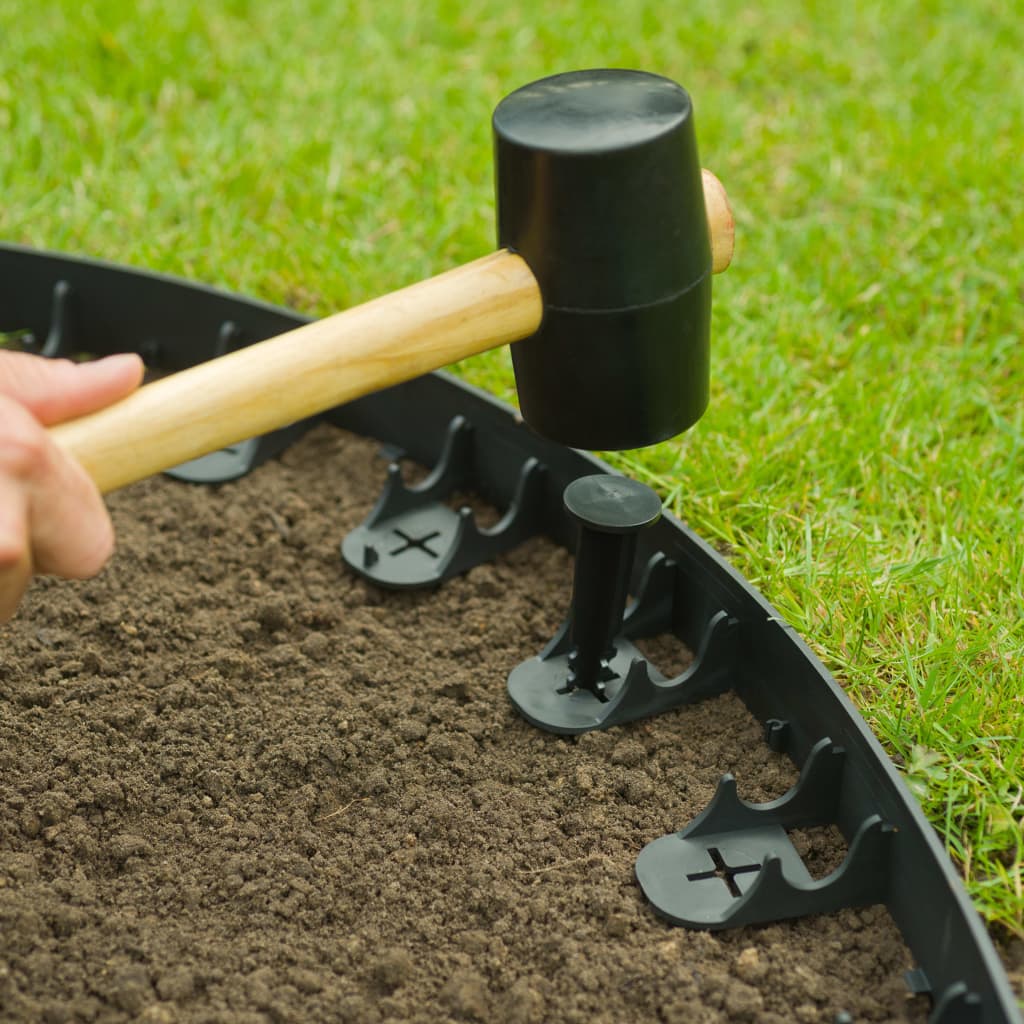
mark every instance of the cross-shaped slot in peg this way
{"type": "Point", "coordinates": [416, 543]}
{"type": "Point", "coordinates": [726, 872]}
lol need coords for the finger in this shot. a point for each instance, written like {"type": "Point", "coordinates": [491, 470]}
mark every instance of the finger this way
{"type": "Point", "coordinates": [54, 390]}
{"type": "Point", "coordinates": [14, 579]}
{"type": "Point", "coordinates": [15, 560]}
{"type": "Point", "coordinates": [69, 530]}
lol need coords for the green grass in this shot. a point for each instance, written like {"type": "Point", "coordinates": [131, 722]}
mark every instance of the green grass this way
{"type": "Point", "coordinates": [863, 454]}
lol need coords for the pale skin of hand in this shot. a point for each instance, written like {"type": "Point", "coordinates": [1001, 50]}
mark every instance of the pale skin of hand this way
{"type": "Point", "coordinates": [52, 518]}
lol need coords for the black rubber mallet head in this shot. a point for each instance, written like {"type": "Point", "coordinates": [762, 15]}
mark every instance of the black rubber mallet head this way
{"type": "Point", "coordinates": [609, 228]}
{"type": "Point", "coordinates": [599, 189]}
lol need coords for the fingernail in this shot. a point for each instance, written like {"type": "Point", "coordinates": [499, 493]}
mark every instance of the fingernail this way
{"type": "Point", "coordinates": [118, 358]}
{"type": "Point", "coordinates": [115, 364]}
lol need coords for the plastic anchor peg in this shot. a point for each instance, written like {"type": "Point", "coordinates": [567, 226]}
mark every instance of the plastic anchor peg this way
{"type": "Point", "coordinates": [610, 511]}
{"type": "Point", "coordinates": [591, 675]}
{"type": "Point", "coordinates": [412, 539]}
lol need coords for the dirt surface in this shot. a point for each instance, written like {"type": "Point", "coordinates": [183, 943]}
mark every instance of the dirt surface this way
{"type": "Point", "coordinates": [240, 785]}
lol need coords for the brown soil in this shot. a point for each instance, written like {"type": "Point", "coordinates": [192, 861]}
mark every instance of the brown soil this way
{"type": "Point", "coordinates": [239, 784]}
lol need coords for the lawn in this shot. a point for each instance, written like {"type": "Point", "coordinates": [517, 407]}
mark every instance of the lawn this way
{"type": "Point", "coordinates": [862, 456]}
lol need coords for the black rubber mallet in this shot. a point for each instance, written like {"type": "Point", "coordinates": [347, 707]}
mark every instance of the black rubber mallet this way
{"type": "Point", "coordinates": [610, 233]}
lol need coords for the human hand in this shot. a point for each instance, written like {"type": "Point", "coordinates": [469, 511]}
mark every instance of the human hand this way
{"type": "Point", "coordinates": [52, 518]}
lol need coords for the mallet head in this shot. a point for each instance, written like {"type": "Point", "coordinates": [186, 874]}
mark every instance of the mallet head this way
{"type": "Point", "coordinates": [599, 190]}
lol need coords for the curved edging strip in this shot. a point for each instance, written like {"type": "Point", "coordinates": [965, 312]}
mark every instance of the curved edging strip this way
{"type": "Point", "coordinates": [73, 305]}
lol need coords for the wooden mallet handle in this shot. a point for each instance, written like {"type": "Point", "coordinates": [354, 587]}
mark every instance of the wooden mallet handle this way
{"type": "Point", "coordinates": [482, 305]}
{"type": "Point", "coordinates": [721, 226]}
{"type": "Point", "coordinates": [275, 382]}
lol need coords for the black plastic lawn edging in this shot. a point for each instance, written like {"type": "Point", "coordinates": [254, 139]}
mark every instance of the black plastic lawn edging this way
{"type": "Point", "coordinates": [733, 864]}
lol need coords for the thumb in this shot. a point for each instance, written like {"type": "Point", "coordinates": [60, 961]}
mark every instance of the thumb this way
{"type": "Point", "coordinates": [54, 390]}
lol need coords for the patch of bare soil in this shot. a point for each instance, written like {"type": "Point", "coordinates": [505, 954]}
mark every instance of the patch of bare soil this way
{"type": "Point", "coordinates": [240, 785]}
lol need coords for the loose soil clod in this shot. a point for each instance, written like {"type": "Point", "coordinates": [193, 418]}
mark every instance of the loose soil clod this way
{"type": "Point", "coordinates": [239, 784]}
